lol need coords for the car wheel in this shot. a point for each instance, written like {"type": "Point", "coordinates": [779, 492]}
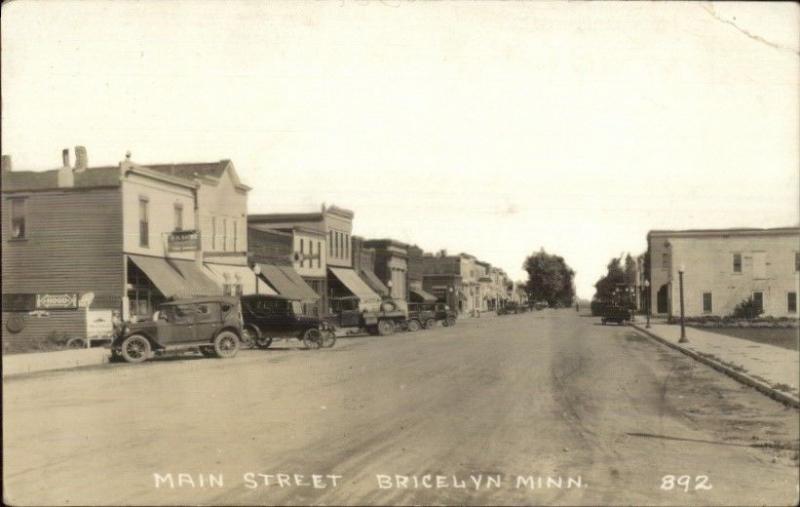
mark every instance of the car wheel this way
{"type": "Point", "coordinates": [414, 325]}
{"type": "Point", "coordinates": [328, 338]}
{"type": "Point", "coordinates": [250, 334]}
{"type": "Point", "coordinates": [430, 323]}
{"type": "Point", "coordinates": [385, 327]}
{"type": "Point", "coordinates": [135, 349]}
{"type": "Point", "coordinates": [76, 343]}
{"type": "Point", "coordinates": [450, 321]}
{"type": "Point", "coordinates": [312, 339]}
{"type": "Point", "coordinates": [226, 344]}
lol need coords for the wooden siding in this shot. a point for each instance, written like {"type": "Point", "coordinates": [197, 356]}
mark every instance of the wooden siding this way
{"type": "Point", "coordinates": [73, 245]}
{"type": "Point", "coordinates": [63, 323]}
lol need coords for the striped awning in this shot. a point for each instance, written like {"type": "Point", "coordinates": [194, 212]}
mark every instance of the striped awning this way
{"type": "Point", "coordinates": [421, 296]}
{"type": "Point", "coordinates": [374, 282]}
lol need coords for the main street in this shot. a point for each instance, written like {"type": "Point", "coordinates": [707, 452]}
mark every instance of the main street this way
{"type": "Point", "coordinates": [482, 413]}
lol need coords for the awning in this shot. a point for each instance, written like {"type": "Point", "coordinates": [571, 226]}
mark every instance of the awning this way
{"type": "Point", "coordinates": [176, 278]}
{"type": "Point", "coordinates": [242, 275]}
{"type": "Point", "coordinates": [420, 296]}
{"type": "Point", "coordinates": [355, 285]}
{"type": "Point", "coordinates": [287, 282]}
{"type": "Point", "coordinates": [374, 282]}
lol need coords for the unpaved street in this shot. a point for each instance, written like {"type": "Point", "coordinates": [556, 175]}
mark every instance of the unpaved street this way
{"type": "Point", "coordinates": [458, 415]}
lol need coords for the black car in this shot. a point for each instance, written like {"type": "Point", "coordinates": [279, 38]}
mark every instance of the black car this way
{"type": "Point", "coordinates": [267, 317]}
{"type": "Point", "coordinates": [509, 308]}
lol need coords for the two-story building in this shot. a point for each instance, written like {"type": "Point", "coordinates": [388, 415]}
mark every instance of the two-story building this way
{"type": "Point", "coordinates": [336, 226]}
{"type": "Point", "coordinates": [391, 266]}
{"type": "Point", "coordinates": [453, 279]}
{"type": "Point", "coordinates": [415, 276]}
{"type": "Point", "coordinates": [81, 243]}
{"type": "Point", "coordinates": [364, 266]}
{"type": "Point", "coordinates": [723, 267]}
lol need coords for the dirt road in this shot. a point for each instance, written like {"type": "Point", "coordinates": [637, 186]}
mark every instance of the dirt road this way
{"type": "Point", "coordinates": [538, 408]}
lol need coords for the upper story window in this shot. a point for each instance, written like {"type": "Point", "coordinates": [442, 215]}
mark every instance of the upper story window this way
{"type": "Point", "coordinates": [797, 261]}
{"type": "Point", "coordinates": [144, 222]}
{"type": "Point", "coordinates": [665, 260]}
{"type": "Point", "coordinates": [330, 243]}
{"type": "Point", "coordinates": [224, 234]}
{"type": "Point", "coordinates": [737, 263]}
{"type": "Point", "coordinates": [213, 233]}
{"type": "Point", "coordinates": [346, 246]}
{"type": "Point", "coordinates": [178, 212]}
{"type": "Point", "coordinates": [319, 252]}
{"type": "Point", "coordinates": [302, 251]}
{"type": "Point", "coordinates": [18, 230]}
{"type": "Point", "coordinates": [235, 236]}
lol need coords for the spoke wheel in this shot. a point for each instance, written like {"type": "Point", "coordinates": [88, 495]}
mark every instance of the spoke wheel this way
{"type": "Point", "coordinates": [385, 327]}
{"type": "Point", "coordinates": [135, 349]}
{"type": "Point", "coordinates": [430, 323]}
{"type": "Point", "coordinates": [226, 344]}
{"type": "Point", "coordinates": [312, 339]}
{"type": "Point", "coordinates": [414, 325]}
{"type": "Point", "coordinates": [328, 338]}
{"type": "Point", "coordinates": [451, 321]}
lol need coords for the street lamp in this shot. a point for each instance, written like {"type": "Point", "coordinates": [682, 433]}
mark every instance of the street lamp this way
{"type": "Point", "coordinates": [257, 271]}
{"type": "Point", "coordinates": [681, 269]}
{"type": "Point", "coordinates": [647, 303]}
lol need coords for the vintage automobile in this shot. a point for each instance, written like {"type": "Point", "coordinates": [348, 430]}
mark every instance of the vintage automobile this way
{"type": "Point", "coordinates": [267, 317]}
{"type": "Point", "coordinates": [443, 313]}
{"type": "Point", "coordinates": [420, 316]}
{"type": "Point", "coordinates": [347, 316]}
{"type": "Point", "coordinates": [509, 308]}
{"type": "Point", "coordinates": [210, 325]}
{"type": "Point", "coordinates": [615, 313]}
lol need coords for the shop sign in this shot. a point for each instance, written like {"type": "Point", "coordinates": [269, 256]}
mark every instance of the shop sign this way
{"type": "Point", "coordinates": [183, 241]}
{"type": "Point", "coordinates": [99, 323]}
{"type": "Point", "coordinates": [56, 301]}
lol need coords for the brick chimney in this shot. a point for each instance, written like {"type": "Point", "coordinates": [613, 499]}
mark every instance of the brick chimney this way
{"type": "Point", "coordinates": [6, 164]}
{"type": "Point", "coordinates": [66, 178]}
{"type": "Point", "coordinates": [81, 159]}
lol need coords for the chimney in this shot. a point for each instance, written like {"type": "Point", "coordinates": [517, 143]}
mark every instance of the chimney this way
{"type": "Point", "coordinates": [66, 178]}
{"type": "Point", "coordinates": [81, 158]}
{"type": "Point", "coordinates": [6, 164]}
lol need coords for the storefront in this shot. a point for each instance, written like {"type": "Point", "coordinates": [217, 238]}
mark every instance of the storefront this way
{"type": "Point", "coordinates": [238, 280]}
{"type": "Point", "coordinates": [345, 282]}
{"type": "Point", "coordinates": [286, 282]}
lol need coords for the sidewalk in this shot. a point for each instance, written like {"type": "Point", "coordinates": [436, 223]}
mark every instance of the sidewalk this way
{"type": "Point", "coordinates": [765, 367]}
{"type": "Point", "coordinates": [18, 364]}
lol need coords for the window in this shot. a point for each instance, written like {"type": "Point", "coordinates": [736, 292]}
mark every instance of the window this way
{"type": "Point", "coordinates": [178, 216]}
{"type": "Point", "coordinates": [319, 252]}
{"type": "Point", "coordinates": [213, 233]}
{"type": "Point", "coordinates": [330, 243]}
{"type": "Point", "coordinates": [758, 299]}
{"type": "Point", "coordinates": [737, 263]}
{"type": "Point", "coordinates": [18, 218]}
{"type": "Point", "coordinates": [302, 251]}
{"type": "Point", "coordinates": [224, 234]}
{"type": "Point", "coordinates": [346, 246]}
{"type": "Point", "coordinates": [144, 222]}
{"type": "Point", "coordinates": [665, 260]}
{"type": "Point", "coordinates": [235, 237]}
{"type": "Point", "coordinates": [791, 302]}
{"type": "Point", "coordinates": [335, 244]}
{"type": "Point", "coordinates": [797, 261]}
{"type": "Point", "coordinates": [707, 302]}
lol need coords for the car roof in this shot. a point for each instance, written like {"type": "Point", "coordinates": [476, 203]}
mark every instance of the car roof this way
{"type": "Point", "coordinates": [205, 299]}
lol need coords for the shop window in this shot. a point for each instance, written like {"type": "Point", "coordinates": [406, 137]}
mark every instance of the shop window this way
{"type": "Point", "coordinates": [737, 263]}
{"type": "Point", "coordinates": [707, 302]}
{"type": "Point", "coordinates": [178, 212]}
{"type": "Point", "coordinates": [144, 222]}
{"type": "Point", "coordinates": [791, 302]}
{"type": "Point", "coordinates": [18, 230]}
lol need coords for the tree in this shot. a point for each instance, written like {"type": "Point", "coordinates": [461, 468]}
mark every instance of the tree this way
{"type": "Point", "coordinates": [617, 277]}
{"type": "Point", "coordinates": [549, 279]}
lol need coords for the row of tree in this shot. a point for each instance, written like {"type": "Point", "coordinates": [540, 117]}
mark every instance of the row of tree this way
{"type": "Point", "coordinates": [549, 279]}
{"type": "Point", "coordinates": [620, 274]}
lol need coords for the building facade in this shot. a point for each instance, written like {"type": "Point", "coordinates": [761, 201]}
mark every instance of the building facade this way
{"type": "Point", "coordinates": [721, 268]}
{"type": "Point", "coordinates": [391, 266]}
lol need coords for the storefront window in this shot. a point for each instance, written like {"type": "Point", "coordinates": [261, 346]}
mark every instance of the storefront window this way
{"type": "Point", "coordinates": [18, 218]}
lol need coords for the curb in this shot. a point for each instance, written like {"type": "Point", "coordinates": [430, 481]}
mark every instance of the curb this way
{"type": "Point", "coordinates": [762, 387]}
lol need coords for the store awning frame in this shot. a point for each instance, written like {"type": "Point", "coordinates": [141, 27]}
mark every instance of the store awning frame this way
{"type": "Point", "coordinates": [287, 282]}
{"type": "Point", "coordinates": [176, 278]}
{"type": "Point", "coordinates": [423, 296]}
{"type": "Point", "coordinates": [357, 286]}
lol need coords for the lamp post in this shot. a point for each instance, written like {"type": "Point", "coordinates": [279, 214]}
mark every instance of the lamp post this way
{"type": "Point", "coordinates": [680, 288]}
{"type": "Point", "coordinates": [647, 303]}
{"type": "Point", "coordinates": [257, 271]}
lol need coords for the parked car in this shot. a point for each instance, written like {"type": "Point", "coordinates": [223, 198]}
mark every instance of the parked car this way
{"type": "Point", "coordinates": [541, 305]}
{"type": "Point", "coordinates": [420, 316]}
{"type": "Point", "coordinates": [615, 313]}
{"type": "Point", "coordinates": [443, 313]}
{"type": "Point", "coordinates": [347, 316]}
{"type": "Point", "coordinates": [509, 308]}
{"type": "Point", "coordinates": [267, 317]}
{"type": "Point", "coordinates": [211, 325]}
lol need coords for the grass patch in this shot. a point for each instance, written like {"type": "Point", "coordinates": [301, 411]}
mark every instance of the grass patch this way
{"type": "Point", "coordinates": [786, 338]}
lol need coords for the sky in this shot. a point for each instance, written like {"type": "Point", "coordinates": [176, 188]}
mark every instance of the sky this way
{"type": "Point", "coordinates": [492, 128]}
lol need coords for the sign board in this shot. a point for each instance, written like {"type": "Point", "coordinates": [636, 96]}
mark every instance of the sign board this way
{"type": "Point", "coordinates": [183, 241]}
{"type": "Point", "coordinates": [99, 323]}
{"type": "Point", "coordinates": [56, 301]}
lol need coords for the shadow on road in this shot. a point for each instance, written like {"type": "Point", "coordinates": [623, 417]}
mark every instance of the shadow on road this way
{"type": "Point", "coordinates": [681, 439]}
